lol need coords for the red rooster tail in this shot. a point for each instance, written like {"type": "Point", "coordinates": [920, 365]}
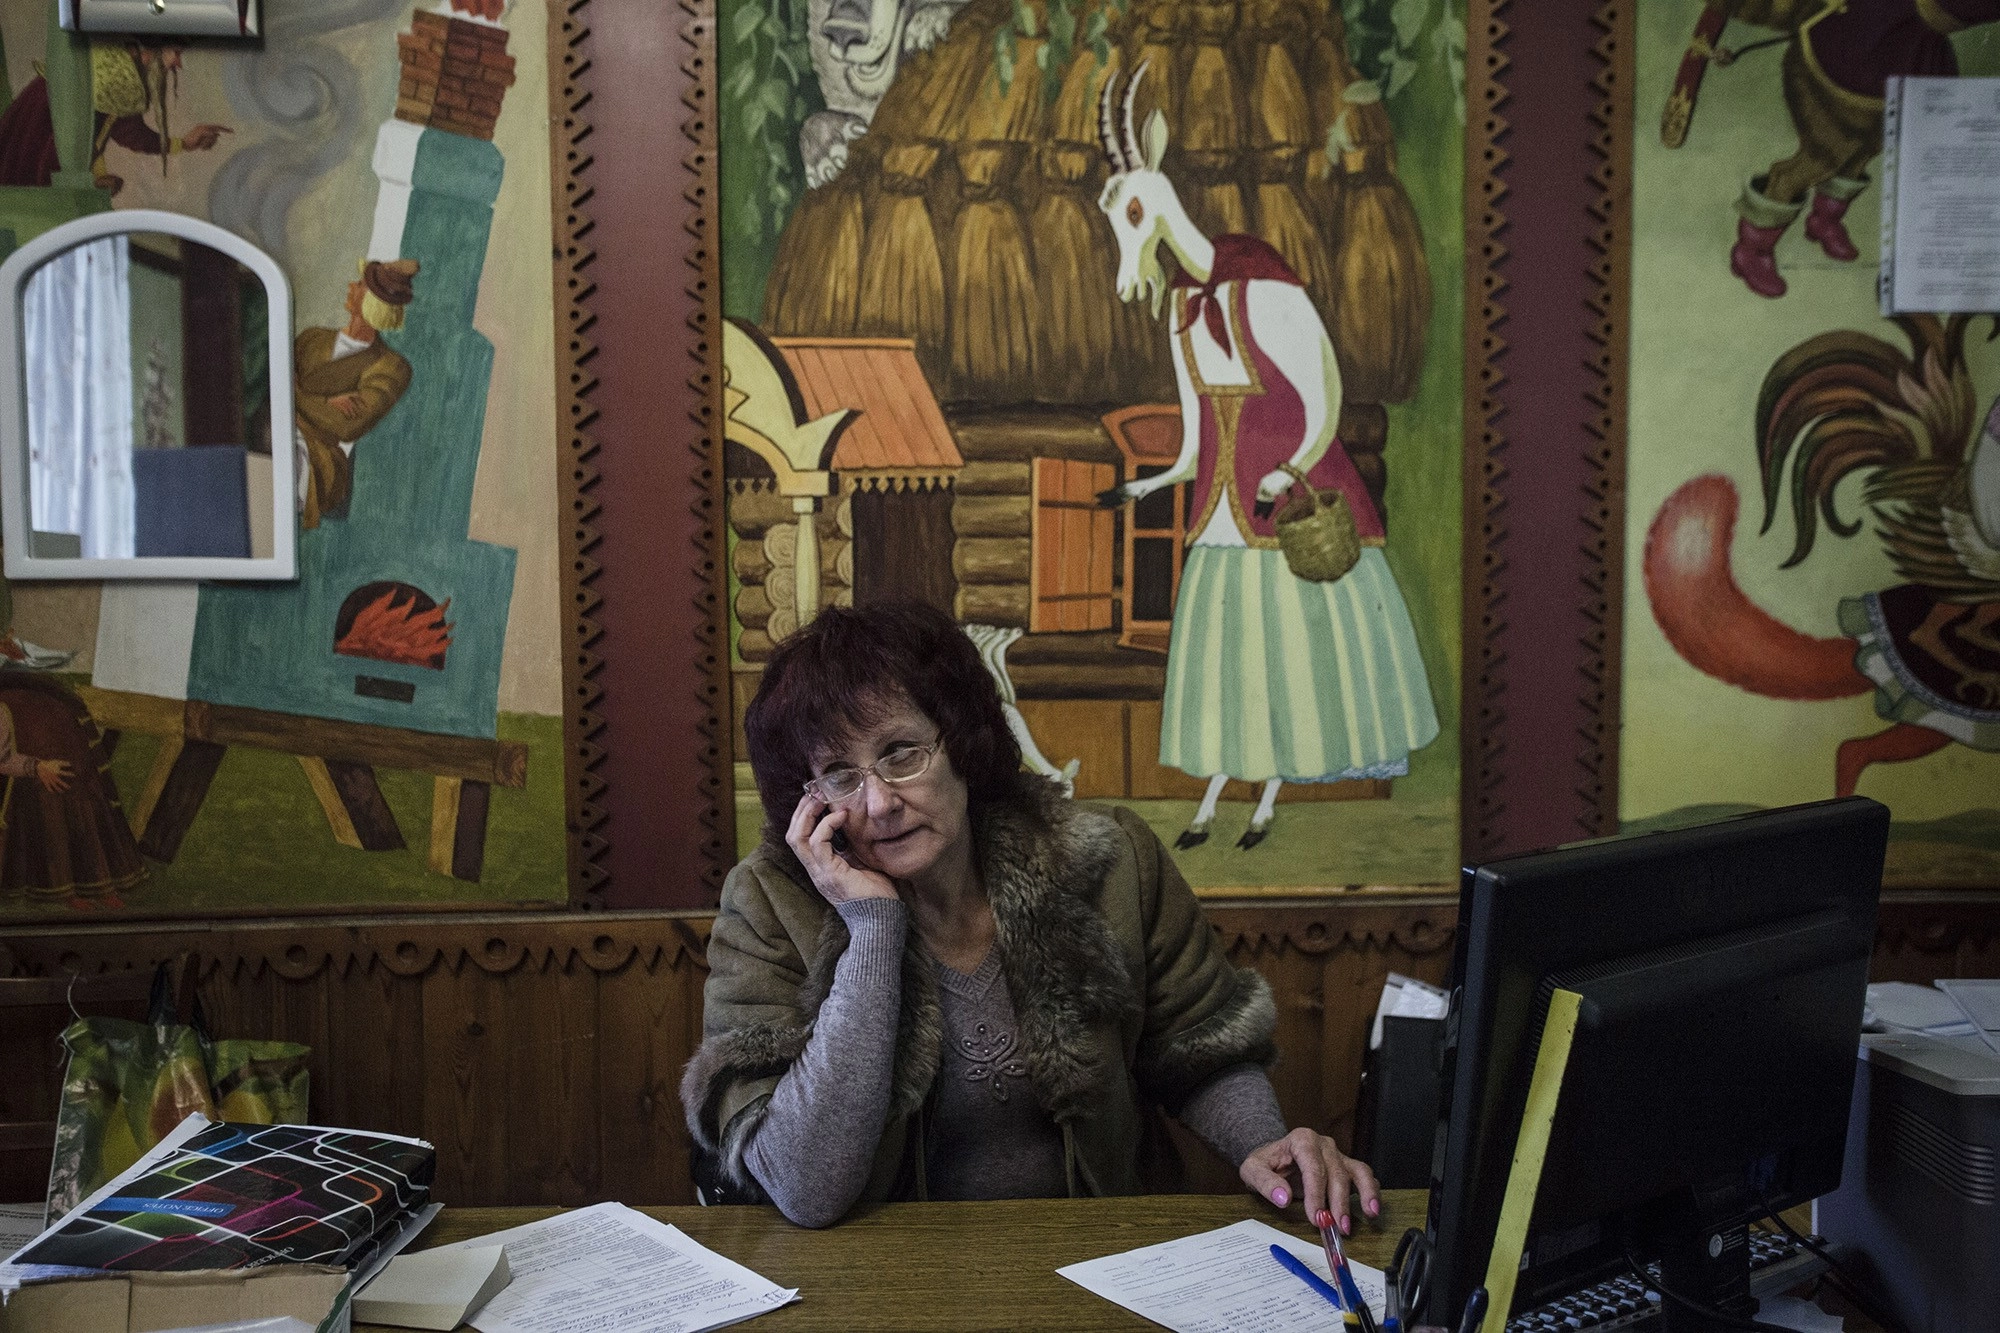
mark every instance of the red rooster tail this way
{"type": "Point", "coordinates": [1710, 622]}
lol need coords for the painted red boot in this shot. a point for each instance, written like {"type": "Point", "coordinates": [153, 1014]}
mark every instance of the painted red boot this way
{"type": "Point", "coordinates": [1752, 260]}
{"type": "Point", "coordinates": [1824, 225]}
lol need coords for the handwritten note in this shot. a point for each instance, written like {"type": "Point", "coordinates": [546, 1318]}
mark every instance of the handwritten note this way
{"type": "Point", "coordinates": [1222, 1281]}
{"type": "Point", "coordinates": [610, 1269]}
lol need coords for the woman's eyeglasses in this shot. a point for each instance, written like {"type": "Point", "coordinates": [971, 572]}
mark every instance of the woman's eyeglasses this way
{"type": "Point", "coordinates": [902, 764]}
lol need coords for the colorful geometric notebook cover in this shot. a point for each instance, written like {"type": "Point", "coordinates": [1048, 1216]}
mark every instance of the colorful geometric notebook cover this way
{"type": "Point", "coordinates": [236, 1196]}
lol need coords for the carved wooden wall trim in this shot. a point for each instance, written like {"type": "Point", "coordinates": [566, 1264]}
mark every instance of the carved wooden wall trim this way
{"type": "Point", "coordinates": [710, 581]}
{"type": "Point", "coordinates": [1546, 757]}
{"type": "Point", "coordinates": [569, 159]}
{"type": "Point", "coordinates": [608, 943]}
{"type": "Point", "coordinates": [669, 789]}
{"type": "Point", "coordinates": [403, 947]}
{"type": "Point", "coordinates": [1418, 926]}
{"type": "Point", "coordinates": [1920, 937]}
{"type": "Point", "coordinates": [1604, 549]}
{"type": "Point", "coordinates": [1485, 523]}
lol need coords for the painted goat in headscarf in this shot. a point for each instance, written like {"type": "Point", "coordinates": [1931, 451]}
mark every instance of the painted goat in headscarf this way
{"type": "Point", "coordinates": [1271, 678]}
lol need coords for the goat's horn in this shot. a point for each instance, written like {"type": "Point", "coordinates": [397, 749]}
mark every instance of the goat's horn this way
{"type": "Point", "coordinates": [1106, 130]}
{"type": "Point", "coordinates": [1131, 97]}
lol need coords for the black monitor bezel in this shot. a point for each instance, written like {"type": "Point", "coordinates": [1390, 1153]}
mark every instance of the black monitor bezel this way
{"type": "Point", "coordinates": [1674, 887]}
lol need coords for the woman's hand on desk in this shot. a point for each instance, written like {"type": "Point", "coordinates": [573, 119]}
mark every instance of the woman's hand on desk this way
{"type": "Point", "coordinates": [1326, 1176]}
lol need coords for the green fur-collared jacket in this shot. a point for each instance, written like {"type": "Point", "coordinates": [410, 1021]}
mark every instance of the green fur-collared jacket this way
{"type": "Point", "coordinates": [1124, 998]}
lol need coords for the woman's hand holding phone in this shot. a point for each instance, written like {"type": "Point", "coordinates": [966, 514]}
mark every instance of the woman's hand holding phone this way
{"type": "Point", "coordinates": [818, 837]}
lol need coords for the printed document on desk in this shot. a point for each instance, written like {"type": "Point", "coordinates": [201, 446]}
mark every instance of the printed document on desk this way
{"type": "Point", "coordinates": [1222, 1281]}
{"type": "Point", "coordinates": [610, 1269]}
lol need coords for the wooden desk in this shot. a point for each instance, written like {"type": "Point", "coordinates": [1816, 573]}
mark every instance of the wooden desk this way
{"type": "Point", "coordinates": [946, 1266]}
{"type": "Point", "coordinates": [936, 1267]}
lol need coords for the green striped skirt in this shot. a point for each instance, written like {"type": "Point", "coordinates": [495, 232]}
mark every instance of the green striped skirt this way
{"type": "Point", "coordinates": [1272, 676]}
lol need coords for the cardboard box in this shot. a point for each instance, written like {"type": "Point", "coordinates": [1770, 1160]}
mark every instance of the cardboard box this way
{"type": "Point", "coordinates": [146, 1302]}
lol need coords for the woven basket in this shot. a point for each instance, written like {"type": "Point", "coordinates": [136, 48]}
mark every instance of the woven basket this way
{"type": "Point", "coordinates": [1316, 532]}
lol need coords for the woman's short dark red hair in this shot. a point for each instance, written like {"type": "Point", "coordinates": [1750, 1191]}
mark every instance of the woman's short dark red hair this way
{"type": "Point", "coordinates": [838, 674]}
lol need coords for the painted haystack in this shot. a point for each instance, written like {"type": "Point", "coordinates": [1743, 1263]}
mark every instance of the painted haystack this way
{"type": "Point", "coordinates": [967, 217]}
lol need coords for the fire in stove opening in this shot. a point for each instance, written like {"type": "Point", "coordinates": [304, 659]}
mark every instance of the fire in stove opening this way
{"type": "Point", "coordinates": [393, 622]}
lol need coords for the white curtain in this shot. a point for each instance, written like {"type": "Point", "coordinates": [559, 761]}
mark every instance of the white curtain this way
{"type": "Point", "coordinates": [78, 327]}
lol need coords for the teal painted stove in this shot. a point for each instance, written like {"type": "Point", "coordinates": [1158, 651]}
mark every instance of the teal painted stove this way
{"type": "Point", "coordinates": [403, 535]}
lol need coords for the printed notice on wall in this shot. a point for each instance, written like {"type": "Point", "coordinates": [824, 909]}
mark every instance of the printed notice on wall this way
{"type": "Point", "coordinates": [1941, 196]}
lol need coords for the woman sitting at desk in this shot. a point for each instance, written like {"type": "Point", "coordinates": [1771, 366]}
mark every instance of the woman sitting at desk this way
{"type": "Point", "coordinates": [948, 981]}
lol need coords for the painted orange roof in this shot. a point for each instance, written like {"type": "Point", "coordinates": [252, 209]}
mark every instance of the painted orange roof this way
{"type": "Point", "coordinates": [901, 429]}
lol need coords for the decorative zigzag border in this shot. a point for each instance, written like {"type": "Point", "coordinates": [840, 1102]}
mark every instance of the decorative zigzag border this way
{"type": "Point", "coordinates": [569, 159]}
{"type": "Point", "coordinates": [708, 576]}
{"type": "Point", "coordinates": [1604, 553]}
{"type": "Point", "coordinates": [1485, 524]}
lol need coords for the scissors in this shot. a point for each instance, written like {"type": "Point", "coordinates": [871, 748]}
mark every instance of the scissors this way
{"type": "Point", "coordinates": [1407, 1277]}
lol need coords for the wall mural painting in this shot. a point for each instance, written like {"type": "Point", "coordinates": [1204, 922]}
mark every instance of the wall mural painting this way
{"type": "Point", "coordinates": [1129, 332]}
{"type": "Point", "coordinates": [1842, 637]}
{"type": "Point", "coordinates": [388, 728]}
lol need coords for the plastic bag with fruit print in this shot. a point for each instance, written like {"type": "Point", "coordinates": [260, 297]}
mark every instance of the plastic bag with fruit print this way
{"type": "Point", "coordinates": [129, 1083]}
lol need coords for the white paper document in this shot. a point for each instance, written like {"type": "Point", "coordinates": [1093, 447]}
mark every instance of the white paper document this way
{"type": "Point", "coordinates": [1941, 196]}
{"type": "Point", "coordinates": [1223, 1281]}
{"type": "Point", "coordinates": [19, 1224]}
{"type": "Point", "coordinates": [1900, 1006]}
{"type": "Point", "coordinates": [610, 1269]}
{"type": "Point", "coordinates": [1406, 997]}
{"type": "Point", "coordinates": [1979, 1001]}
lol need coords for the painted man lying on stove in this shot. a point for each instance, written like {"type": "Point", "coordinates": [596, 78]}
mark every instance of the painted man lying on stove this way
{"type": "Point", "coordinates": [344, 382]}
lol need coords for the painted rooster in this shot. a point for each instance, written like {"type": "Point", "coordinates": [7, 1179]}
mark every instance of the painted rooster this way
{"type": "Point", "coordinates": [1839, 404]}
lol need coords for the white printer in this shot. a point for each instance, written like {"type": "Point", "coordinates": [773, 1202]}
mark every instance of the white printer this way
{"type": "Point", "coordinates": [1917, 1214]}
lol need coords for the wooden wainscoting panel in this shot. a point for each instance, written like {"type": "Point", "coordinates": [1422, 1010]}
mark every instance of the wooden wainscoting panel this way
{"type": "Point", "coordinates": [1920, 939]}
{"type": "Point", "coordinates": [543, 1055]}
{"type": "Point", "coordinates": [369, 1070]}
{"type": "Point", "coordinates": [1351, 983]}
{"type": "Point", "coordinates": [466, 1106]}
{"type": "Point", "coordinates": [305, 1005]}
{"type": "Point", "coordinates": [553, 1063]}
{"type": "Point", "coordinates": [649, 1019]}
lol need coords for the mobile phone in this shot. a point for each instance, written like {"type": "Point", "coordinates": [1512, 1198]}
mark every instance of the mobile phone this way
{"type": "Point", "coordinates": [840, 841]}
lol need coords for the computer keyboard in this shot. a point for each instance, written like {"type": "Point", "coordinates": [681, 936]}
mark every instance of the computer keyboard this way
{"type": "Point", "coordinates": [1776, 1265]}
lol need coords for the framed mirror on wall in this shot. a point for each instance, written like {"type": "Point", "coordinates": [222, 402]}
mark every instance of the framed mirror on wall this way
{"type": "Point", "coordinates": [148, 354]}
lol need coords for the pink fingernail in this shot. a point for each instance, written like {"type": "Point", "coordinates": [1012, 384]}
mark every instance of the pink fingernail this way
{"type": "Point", "coordinates": [1281, 1196]}
{"type": "Point", "coordinates": [1374, 1208]}
{"type": "Point", "coordinates": [1346, 1229]}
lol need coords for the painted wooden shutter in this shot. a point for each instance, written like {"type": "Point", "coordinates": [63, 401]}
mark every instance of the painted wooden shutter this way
{"type": "Point", "coordinates": [1072, 540]}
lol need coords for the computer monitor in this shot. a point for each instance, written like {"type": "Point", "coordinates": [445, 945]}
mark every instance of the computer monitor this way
{"type": "Point", "coordinates": [1723, 970]}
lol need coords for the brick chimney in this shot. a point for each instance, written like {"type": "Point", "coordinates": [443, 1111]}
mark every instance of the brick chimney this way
{"type": "Point", "coordinates": [455, 74]}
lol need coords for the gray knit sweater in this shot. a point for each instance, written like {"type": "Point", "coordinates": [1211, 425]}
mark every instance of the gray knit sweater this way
{"type": "Point", "coordinates": [989, 1138]}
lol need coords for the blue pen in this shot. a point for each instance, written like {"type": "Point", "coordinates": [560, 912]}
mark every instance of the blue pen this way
{"type": "Point", "coordinates": [1311, 1279]}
